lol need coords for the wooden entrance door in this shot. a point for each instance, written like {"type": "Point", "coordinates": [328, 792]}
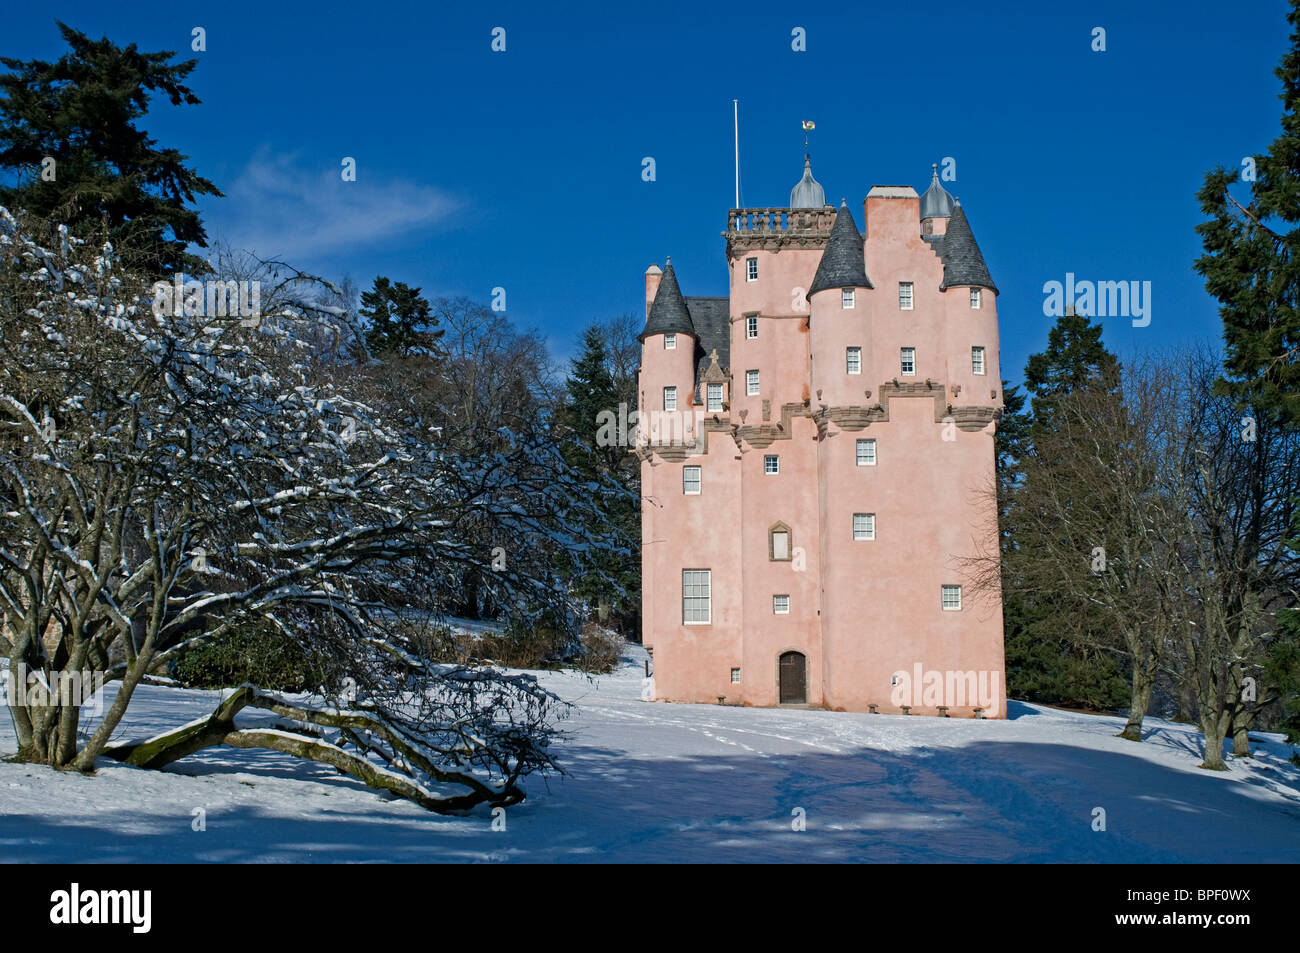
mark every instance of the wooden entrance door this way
{"type": "Point", "coordinates": [793, 672]}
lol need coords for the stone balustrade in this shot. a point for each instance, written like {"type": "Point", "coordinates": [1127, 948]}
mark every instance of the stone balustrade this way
{"type": "Point", "coordinates": [774, 228]}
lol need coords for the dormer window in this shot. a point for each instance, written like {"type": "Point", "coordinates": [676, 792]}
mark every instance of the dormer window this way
{"type": "Point", "coordinates": [670, 341]}
{"type": "Point", "coordinates": [975, 298]}
{"type": "Point", "coordinates": [846, 299]}
{"type": "Point", "coordinates": [713, 393]}
{"type": "Point", "coordinates": [751, 269]}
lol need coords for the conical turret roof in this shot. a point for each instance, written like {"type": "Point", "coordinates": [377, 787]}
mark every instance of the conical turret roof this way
{"type": "Point", "coordinates": [669, 312]}
{"type": "Point", "coordinates": [842, 264]}
{"type": "Point", "coordinates": [962, 262]}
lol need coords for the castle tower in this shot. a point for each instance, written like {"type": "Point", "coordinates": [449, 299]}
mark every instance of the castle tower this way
{"type": "Point", "coordinates": [810, 546]}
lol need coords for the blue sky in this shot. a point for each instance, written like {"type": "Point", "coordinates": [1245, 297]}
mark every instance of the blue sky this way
{"type": "Point", "coordinates": [522, 169]}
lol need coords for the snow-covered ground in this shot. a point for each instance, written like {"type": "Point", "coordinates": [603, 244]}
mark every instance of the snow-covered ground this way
{"type": "Point", "coordinates": [658, 782]}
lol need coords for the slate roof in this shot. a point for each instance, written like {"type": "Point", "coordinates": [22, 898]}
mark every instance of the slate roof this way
{"type": "Point", "coordinates": [936, 202]}
{"type": "Point", "coordinates": [962, 262]}
{"type": "Point", "coordinates": [712, 320]}
{"type": "Point", "coordinates": [842, 264]}
{"type": "Point", "coordinates": [807, 192]}
{"type": "Point", "coordinates": [669, 311]}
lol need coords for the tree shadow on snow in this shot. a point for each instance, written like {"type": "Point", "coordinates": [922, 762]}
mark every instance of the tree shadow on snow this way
{"type": "Point", "coordinates": [985, 801]}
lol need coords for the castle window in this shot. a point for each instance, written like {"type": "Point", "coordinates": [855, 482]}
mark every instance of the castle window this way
{"type": "Point", "coordinates": [908, 361]}
{"type": "Point", "coordinates": [904, 296]}
{"type": "Point", "coordinates": [977, 360]}
{"type": "Point", "coordinates": [670, 341]}
{"type": "Point", "coordinates": [853, 360]}
{"type": "Point", "coordinates": [771, 463]}
{"type": "Point", "coordinates": [951, 598]}
{"type": "Point", "coordinates": [670, 398]}
{"type": "Point", "coordinates": [864, 526]}
{"type": "Point", "coordinates": [781, 605]}
{"type": "Point", "coordinates": [751, 383]}
{"type": "Point", "coordinates": [778, 539]}
{"type": "Point", "coordinates": [751, 269]}
{"type": "Point", "coordinates": [697, 600]}
{"type": "Point", "coordinates": [975, 298]}
{"type": "Point", "coordinates": [735, 676]}
{"type": "Point", "coordinates": [714, 392]}
{"type": "Point", "coordinates": [867, 452]}
{"type": "Point", "coordinates": [751, 326]}
{"type": "Point", "coordinates": [846, 299]}
{"type": "Point", "coordinates": [691, 481]}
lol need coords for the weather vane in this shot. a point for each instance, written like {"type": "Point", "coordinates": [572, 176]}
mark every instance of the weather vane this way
{"type": "Point", "coordinates": [808, 126]}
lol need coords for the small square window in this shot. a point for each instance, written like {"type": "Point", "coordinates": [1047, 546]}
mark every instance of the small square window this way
{"type": "Point", "coordinates": [853, 360]}
{"type": "Point", "coordinates": [846, 298]}
{"type": "Point", "coordinates": [905, 296]}
{"type": "Point", "coordinates": [908, 361]}
{"type": "Point", "coordinates": [867, 452]}
{"type": "Point", "coordinates": [975, 298]}
{"type": "Point", "coordinates": [864, 526]}
{"type": "Point", "coordinates": [751, 269]}
{"type": "Point", "coordinates": [670, 398]}
{"type": "Point", "coordinates": [735, 676]}
{"type": "Point", "coordinates": [951, 598]}
{"type": "Point", "coordinates": [714, 393]}
{"type": "Point", "coordinates": [771, 463]}
{"type": "Point", "coordinates": [751, 326]}
{"type": "Point", "coordinates": [751, 383]}
{"type": "Point", "coordinates": [781, 605]}
{"type": "Point", "coordinates": [670, 341]}
{"type": "Point", "coordinates": [977, 360]}
{"type": "Point", "coordinates": [691, 481]}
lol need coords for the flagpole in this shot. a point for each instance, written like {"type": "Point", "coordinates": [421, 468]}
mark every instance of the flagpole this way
{"type": "Point", "coordinates": [735, 105]}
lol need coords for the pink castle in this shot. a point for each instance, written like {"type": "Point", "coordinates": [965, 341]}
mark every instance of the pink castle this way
{"type": "Point", "coordinates": [817, 463]}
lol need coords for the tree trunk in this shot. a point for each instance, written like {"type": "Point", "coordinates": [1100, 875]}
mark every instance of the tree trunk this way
{"type": "Point", "coordinates": [1144, 680]}
{"type": "Point", "coordinates": [1241, 735]}
{"type": "Point", "coordinates": [1215, 726]}
{"type": "Point", "coordinates": [219, 729]}
{"type": "Point", "coordinates": [1240, 743]}
{"type": "Point", "coordinates": [1186, 703]}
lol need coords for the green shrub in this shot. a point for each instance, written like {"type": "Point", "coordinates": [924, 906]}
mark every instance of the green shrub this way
{"type": "Point", "coordinates": [263, 656]}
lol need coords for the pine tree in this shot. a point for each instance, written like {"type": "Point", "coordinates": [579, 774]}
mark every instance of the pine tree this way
{"type": "Point", "coordinates": [1044, 663]}
{"type": "Point", "coordinates": [592, 391]}
{"type": "Point", "coordinates": [1250, 261]}
{"type": "Point", "coordinates": [68, 136]}
{"type": "Point", "coordinates": [1250, 265]}
{"type": "Point", "coordinates": [401, 320]}
{"type": "Point", "coordinates": [1074, 358]}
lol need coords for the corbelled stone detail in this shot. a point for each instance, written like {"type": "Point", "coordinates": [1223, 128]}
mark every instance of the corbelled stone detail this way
{"type": "Point", "coordinates": [854, 417]}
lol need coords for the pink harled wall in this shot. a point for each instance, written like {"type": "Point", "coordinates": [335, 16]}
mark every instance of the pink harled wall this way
{"type": "Point", "coordinates": [860, 611]}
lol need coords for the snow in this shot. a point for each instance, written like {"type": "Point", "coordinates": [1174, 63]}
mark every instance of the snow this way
{"type": "Point", "coordinates": [658, 782]}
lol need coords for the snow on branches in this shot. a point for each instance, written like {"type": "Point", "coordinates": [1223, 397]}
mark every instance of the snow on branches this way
{"type": "Point", "coordinates": [168, 476]}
